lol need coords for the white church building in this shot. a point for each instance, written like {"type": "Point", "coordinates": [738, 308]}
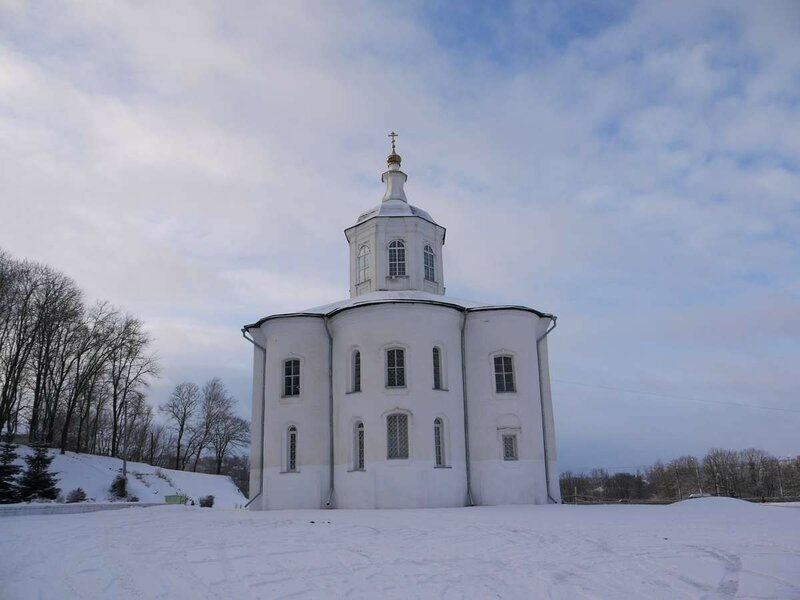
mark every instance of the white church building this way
{"type": "Point", "coordinates": [400, 396]}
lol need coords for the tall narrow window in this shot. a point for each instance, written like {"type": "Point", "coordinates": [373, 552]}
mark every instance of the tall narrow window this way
{"type": "Point", "coordinates": [358, 447]}
{"type": "Point", "coordinates": [356, 371]}
{"type": "Point", "coordinates": [430, 269]}
{"type": "Point", "coordinates": [395, 368]}
{"type": "Point", "coordinates": [363, 263]}
{"type": "Point", "coordinates": [397, 436]}
{"type": "Point", "coordinates": [437, 369]}
{"type": "Point", "coordinates": [291, 449]}
{"type": "Point", "coordinates": [438, 441]}
{"type": "Point", "coordinates": [509, 446]}
{"type": "Point", "coordinates": [503, 374]}
{"type": "Point", "coordinates": [291, 377]}
{"type": "Point", "coordinates": [397, 258]}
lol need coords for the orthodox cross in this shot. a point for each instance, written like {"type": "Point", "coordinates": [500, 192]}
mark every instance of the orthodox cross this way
{"type": "Point", "coordinates": [393, 135]}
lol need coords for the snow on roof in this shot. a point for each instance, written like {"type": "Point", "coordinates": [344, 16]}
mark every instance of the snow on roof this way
{"type": "Point", "coordinates": [398, 297]}
{"type": "Point", "coordinates": [395, 208]}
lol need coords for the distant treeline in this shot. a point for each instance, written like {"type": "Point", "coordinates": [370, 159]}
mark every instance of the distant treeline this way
{"type": "Point", "coordinates": [750, 473]}
{"type": "Point", "coordinates": [75, 375]}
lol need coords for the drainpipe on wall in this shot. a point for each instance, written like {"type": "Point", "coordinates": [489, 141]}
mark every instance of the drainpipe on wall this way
{"type": "Point", "coordinates": [470, 500]}
{"type": "Point", "coordinates": [263, 415]}
{"type": "Point", "coordinates": [329, 502]}
{"type": "Point", "coordinates": [541, 402]}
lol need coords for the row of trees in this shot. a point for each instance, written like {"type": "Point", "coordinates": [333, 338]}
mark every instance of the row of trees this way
{"type": "Point", "coordinates": [75, 376]}
{"type": "Point", "coordinates": [69, 371]}
{"type": "Point", "coordinates": [749, 473]}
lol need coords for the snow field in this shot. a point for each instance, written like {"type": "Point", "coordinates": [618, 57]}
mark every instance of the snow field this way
{"type": "Point", "coordinates": [150, 484]}
{"type": "Point", "coordinates": [705, 548]}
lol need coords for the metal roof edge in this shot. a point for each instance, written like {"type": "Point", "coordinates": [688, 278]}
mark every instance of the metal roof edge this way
{"type": "Point", "coordinates": [452, 305]}
{"type": "Point", "coordinates": [282, 316]}
{"type": "Point", "coordinates": [346, 229]}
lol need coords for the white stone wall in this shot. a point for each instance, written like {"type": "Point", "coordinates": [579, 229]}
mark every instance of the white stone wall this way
{"type": "Point", "coordinates": [494, 480]}
{"type": "Point", "coordinates": [303, 338]}
{"type": "Point", "coordinates": [414, 482]}
{"type": "Point", "coordinates": [398, 483]}
{"type": "Point", "coordinates": [377, 233]}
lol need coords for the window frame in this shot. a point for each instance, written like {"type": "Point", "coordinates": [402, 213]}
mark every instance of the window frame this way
{"type": "Point", "coordinates": [507, 372]}
{"type": "Point", "coordinates": [395, 368]}
{"type": "Point", "coordinates": [362, 264]}
{"type": "Point", "coordinates": [355, 371]}
{"type": "Point", "coordinates": [399, 417]}
{"type": "Point", "coordinates": [429, 256]}
{"type": "Point", "coordinates": [439, 450]}
{"type": "Point", "coordinates": [514, 438]}
{"type": "Point", "coordinates": [396, 259]}
{"type": "Point", "coordinates": [298, 391]}
{"type": "Point", "coordinates": [292, 437]}
{"type": "Point", "coordinates": [438, 379]}
{"type": "Point", "coordinates": [359, 446]}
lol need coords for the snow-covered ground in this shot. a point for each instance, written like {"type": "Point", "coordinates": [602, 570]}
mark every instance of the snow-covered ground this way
{"type": "Point", "coordinates": [705, 548]}
{"type": "Point", "coordinates": [150, 484]}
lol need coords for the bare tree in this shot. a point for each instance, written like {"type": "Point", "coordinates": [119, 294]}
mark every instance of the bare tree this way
{"type": "Point", "coordinates": [721, 468]}
{"type": "Point", "coordinates": [98, 340]}
{"type": "Point", "coordinates": [215, 405]}
{"type": "Point", "coordinates": [228, 432]}
{"type": "Point", "coordinates": [180, 409]}
{"type": "Point", "coordinates": [61, 308]}
{"type": "Point", "coordinates": [19, 290]}
{"type": "Point", "coordinates": [130, 367]}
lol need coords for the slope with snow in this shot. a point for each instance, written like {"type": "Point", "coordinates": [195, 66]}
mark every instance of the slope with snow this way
{"type": "Point", "coordinates": [150, 484]}
{"type": "Point", "coordinates": [705, 548]}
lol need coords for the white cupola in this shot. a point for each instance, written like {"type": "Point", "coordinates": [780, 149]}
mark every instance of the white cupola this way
{"type": "Point", "coordinates": [395, 246]}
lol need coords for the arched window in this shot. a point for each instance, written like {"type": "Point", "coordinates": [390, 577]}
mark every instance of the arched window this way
{"type": "Point", "coordinates": [291, 377]}
{"type": "Point", "coordinates": [356, 387]}
{"type": "Point", "coordinates": [430, 261]}
{"type": "Point", "coordinates": [438, 441]}
{"type": "Point", "coordinates": [363, 264]}
{"type": "Point", "coordinates": [291, 449]}
{"type": "Point", "coordinates": [397, 436]}
{"type": "Point", "coordinates": [437, 368]}
{"type": "Point", "coordinates": [397, 258]}
{"type": "Point", "coordinates": [395, 368]}
{"type": "Point", "coordinates": [358, 447]}
{"type": "Point", "coordinates": [504, 374]}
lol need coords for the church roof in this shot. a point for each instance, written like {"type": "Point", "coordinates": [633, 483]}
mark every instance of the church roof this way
{"type": "Point", "coordinates": [398, 297]}
{"type": "Point", "coordinates": [395, 208]}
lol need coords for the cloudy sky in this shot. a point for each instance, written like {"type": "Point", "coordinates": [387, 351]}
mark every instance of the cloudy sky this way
{"type": "Point", "coordinates": [632, 167]}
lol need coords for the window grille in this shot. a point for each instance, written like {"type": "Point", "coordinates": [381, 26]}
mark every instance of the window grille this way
{"type": "Point", "coordinates": [438, 441]}
{"type": "Point", "coordinates": [397, 436]}
{"type": "Point", "coordinates": [356, 371]}
{"type": "Point", "coordinates": [363, 263]}
{"type": "Point", "coordinates": [291, 453]}
{"type": "Point", "coordinates": [397, 258]}
{"type": "Point", "coordinates": [359, 443]}
{"type": "Point", "coordinates": [510, 447]}
{"type": "Point", "coordinates": [503, 374]}
{"type": "Point", "coordinates": [395, 368]}
{"type": "Point", "coordinates": [437, 369]}
{"type": "Point", "coordinates": [291, 377]}
{"type": "Point", "coordinates": [430, 269]}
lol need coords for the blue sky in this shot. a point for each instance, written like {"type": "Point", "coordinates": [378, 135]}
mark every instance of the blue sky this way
{"type": "Point", "coordinates": [631, 167]}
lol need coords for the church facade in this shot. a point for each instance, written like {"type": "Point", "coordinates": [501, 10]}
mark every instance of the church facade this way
{"type": "Point", "coordinates": [400, 396]}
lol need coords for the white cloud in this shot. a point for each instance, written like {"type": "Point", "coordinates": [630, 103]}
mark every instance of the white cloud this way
{"type": "Point", "coordinates": [197, 164]}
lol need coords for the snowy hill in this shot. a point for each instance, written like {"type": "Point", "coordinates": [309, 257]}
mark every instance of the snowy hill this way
{"type": "Point", "coordinates": [150, 484]}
